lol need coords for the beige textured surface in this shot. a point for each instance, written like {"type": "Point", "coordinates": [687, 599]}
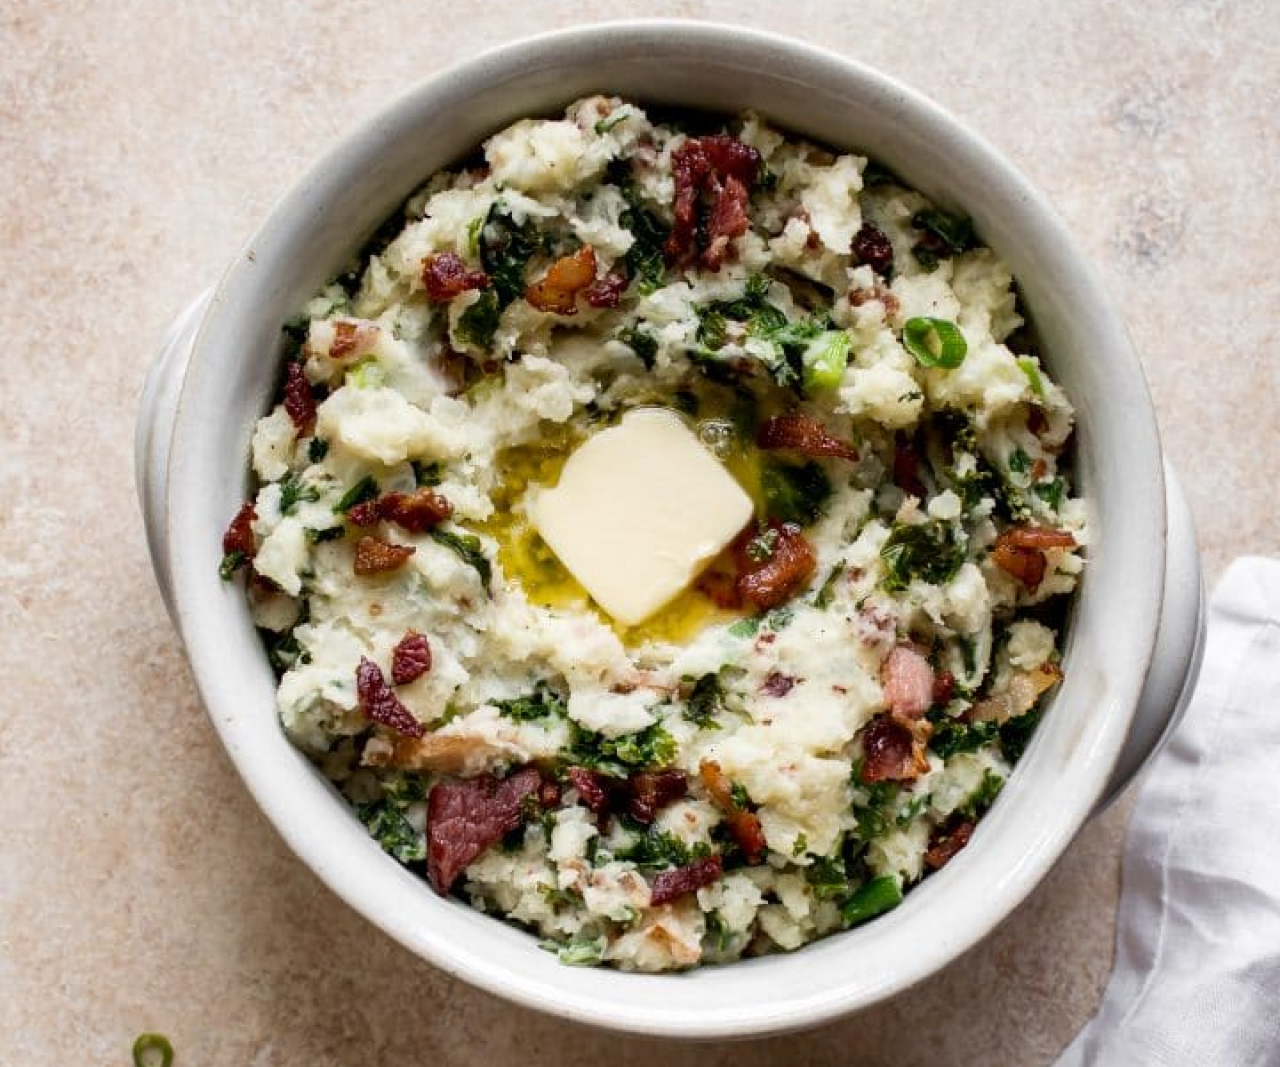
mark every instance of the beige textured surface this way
{"type": "Point", "coordinates": [140, 142]}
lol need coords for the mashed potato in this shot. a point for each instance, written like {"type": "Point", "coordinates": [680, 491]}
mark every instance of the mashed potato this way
{"type": "Point", "coordinates": [823, 717]}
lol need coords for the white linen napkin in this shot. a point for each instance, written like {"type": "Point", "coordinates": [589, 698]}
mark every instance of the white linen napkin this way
{"type": "Point", "coordinates": [1197, 971]}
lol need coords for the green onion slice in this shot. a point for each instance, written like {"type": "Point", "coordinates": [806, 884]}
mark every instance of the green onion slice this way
{"type": "Point", "coordinates": [1031, 369]}
{"type": "Point", "coordinates": [152, 1050]}
{"type": "Point", "coordinates": [935, 342]}
{"type": "Point", "coordinates": [874, 898]}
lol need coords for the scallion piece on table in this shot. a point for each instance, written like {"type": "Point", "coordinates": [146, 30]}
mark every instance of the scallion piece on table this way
{"type": "Point", "coordinates": [152, 1050]}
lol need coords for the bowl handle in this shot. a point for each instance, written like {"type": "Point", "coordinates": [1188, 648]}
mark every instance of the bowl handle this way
{"type": "Point", "coordinates": [1175, 663]}
{"type": "Point", "coordinates": [157, 408]}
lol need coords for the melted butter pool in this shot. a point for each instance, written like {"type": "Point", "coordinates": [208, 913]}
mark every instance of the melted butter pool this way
{"type": "Point", "coordinates": [528, 561]}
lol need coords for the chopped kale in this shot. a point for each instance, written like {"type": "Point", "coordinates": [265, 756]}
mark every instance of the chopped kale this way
{"type": "Point", "coordinates": [930, 551]}
{"type": "Point", "coordinates": [795, 492]}
{"type": "Point", "coordinates": [365, 489]}
{"type": "Point", "coordinates": [532, 706]}
{"type": "Point", "coordinates": [1015, 734]}
{"type": "Point", "coordinates": [718, 933]}
{"type": "Point", "coordinates": [788, 340]}
{"type": "Point", "coordinates": [827, 877]}
{"type": "Point", "coordinates": [578, 951]}
{"type": "Point", "coordinates": [883, 810]}
{"type": "Point", "coordinates": [1019, 461]}
{"type": "Point", "coordinates": [712, 328]}
{"type": "Point", "coordinates": [644, 260]}
{"type": "Point", "coordinates": [951, 736]}
{"type": "Point", "coordinates": [984, 796]}
{"type": "Point", "coordinates": [294, 492]}
{"type": "Point", "coordinates": [466, 547]}
{"type": "Point", "coordinates": [774, 619]}
{"type": "Point", "coordinates": [505, 251]}
{"type": "Point", "coordinates": [943, 235]}
{"type": "Point", "coordinates": [1051, 492]}
{"type": "Point", "coordinates": [706, 700]}
{"type": "Point", "coordinates": [479, 322]}
{"type": "Point", "coordinates": [427, 474]}
{"type": "Point", "coordinates": [387, 824]}
{"type": "Point", "coordinates": [642, 343]}
{"type": "Point", "coordinates": [655, 849]}
{"type": "Point", "coordinates": [619, 756]}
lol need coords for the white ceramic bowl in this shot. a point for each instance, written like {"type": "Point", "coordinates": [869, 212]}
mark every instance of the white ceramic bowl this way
{"type": "Point", "coordinates": [204, 396]}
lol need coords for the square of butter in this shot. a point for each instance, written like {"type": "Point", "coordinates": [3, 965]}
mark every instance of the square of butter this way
{"type": "Point", "coordinates": [640, 509]}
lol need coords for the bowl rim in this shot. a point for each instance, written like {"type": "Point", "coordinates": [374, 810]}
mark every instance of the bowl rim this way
{"type": "Point", "coordinates": [449, 948]}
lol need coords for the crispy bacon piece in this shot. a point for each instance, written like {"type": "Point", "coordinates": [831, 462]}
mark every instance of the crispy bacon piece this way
{"type": "Point", "coordinates": [411, 658]}
{"type": "Point", "coordinates": [890, 753]}
{"type": "Point", "coordinates": [802, 433]}
{"type": "Point", "coordinates": [722, 169]}
{"type": "Point", "coordinates": [591, 788]}
{"type": "Point", "coordinates": [380, 704]}
{"type": "Point", "coordinates": [445, 276]}
{"type": "Point", "coordinates": [421, 510]}
{"type": "Point", "coordinates": [778, 684]}
{"type": "Point", "coordinates": [873, 248]}
{"type": "Point", "coordinates": [744, 826]}
{"type": "Point", "coordinates": [558, 289]}
{"type": "Point", "coordinates": [672, 884]}
{"type": "Point", "coordinates": [1039, 537]}
{"type": "Point", "coordinates": [441, 753]}
{"type": "Point", "coordinates": [366, 513]}
{"type": "Point", "coordinates": [374, 556]}
{"type": "Point", "coordinates": [466, 818]}
{"type": "Point", "coordinates": [298, 401]}
{"type": "Point", "coordinates": [944, 846]}
{"type": "Point", "coordinates": [908, 682]}
{"type": "Point", "coordinates": [239, 535]}
{"type": "Point", "coordinates": [651, 791]}
{"type": "Point", "coordinates": [1025, 564]}
{"type": "Point", "coordinates": [728, 220]}
{"type": "Point", "coordinates": [1019, 551]}
{"type": "Point", "coordinates": [906, 467]}
{"type": "Point", "coordinates": [351, 337]}
{"type": "Point", "coordinates": [606, 292]}
{"type": "Point", "coordinates": [1018, 697]}
{"type": "Point", "coordinates": [770, 582]}
{"type": "Point", "coordinates": [876, 292]}
{"type": "Point", "coordinates": [418, 511]}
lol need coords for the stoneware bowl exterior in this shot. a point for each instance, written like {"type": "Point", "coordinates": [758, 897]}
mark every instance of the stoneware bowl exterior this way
{"type": "Point", "coordinates": [201, 405]}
